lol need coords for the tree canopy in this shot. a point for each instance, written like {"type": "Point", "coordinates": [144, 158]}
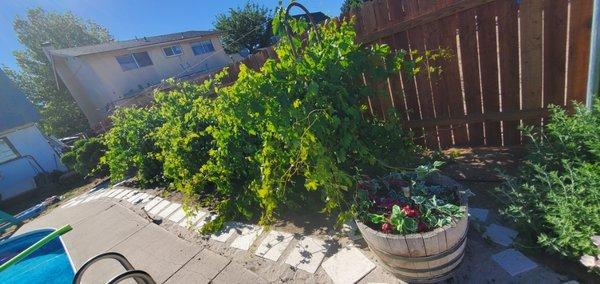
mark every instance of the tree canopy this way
{"type": "Point", "coordinates": [349, 4]}
{"type": "Point", "coordinates": [244, 27]}
{"type": "Point", "coordinates": [60, 114]}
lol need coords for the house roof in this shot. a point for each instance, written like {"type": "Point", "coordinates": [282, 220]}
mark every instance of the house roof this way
{"type": "Point", "coordinates": [15, 108]}
{"type": "Point", "coordinates": [132, 43]}
{"type": "Point", "coordinates": [318, 17]}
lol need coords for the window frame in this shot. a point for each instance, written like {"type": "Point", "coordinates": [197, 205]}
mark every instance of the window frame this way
{"type": "Point", "coordinates": [171, 48]}
{"type": "Point", "coordinates": [132, 56]}
{"type": "Point", "coordinates": [202, 44]}
{"type": "Point", "coordinates": [16, 153]}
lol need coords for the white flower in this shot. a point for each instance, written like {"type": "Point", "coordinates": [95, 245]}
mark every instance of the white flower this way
{"type": "Point", "coordinates": [588, 260]}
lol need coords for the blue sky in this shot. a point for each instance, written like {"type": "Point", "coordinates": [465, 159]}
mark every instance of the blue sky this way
{"type": "Point", "coordinates": [126, 19]}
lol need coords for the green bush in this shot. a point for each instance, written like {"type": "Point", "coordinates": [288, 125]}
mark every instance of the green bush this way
{"type": "Point", "coordinates": [85, 157]}
{"type": "Point", "coordinates": [555, 202]}
{"type": "Point", "coordinates": [131, 145]}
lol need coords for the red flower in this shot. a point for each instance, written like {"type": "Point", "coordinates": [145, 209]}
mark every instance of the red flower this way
{"type": "Point", "coordinates": [411, 212]}
{"type": "Point", "coordinates": [386, 228]}
{"type": "Point", "coordinates": [422, 227]}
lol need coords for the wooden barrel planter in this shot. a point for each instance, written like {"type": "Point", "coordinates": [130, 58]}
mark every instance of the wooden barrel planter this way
{"type": "Point", "coordinates": [422, 257]}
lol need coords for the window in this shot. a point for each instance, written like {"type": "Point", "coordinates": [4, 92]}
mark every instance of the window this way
{"type": "Point", "coordinates": [172, 50]}
{"type": "Point", "coordinates": [202, 47]}
{"type": "Point", "coordinates": [134, 60]}
{"type": "Point", "coordinates": [7, 153]}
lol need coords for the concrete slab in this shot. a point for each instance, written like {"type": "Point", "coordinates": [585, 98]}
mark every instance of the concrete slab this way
{"type": "Point", "coordinates": [58, 217]}
{"type": "Point", "coordinates": [115, 192]}
{"type": "Point", "coordinates": [137, 196]}
{"type": "Point", "coordinates": [156, 251]}
{"type": "Point", "coordinates": [100, 232]}
{"type": "Point", "coordinates": [478, 214]}
{"type": "Point", "coordinates": [122, 194]}
{"type": "Point", "coordinates": [159, 207]}
{"type": "Point", "coordinates": [348, 265]}
{"type": "Point", "coordinates": [169, 210]}
{"type": "Point", "coordinates": [237, 274]}
{"type": "Point", "coordinates": [201, 269]}
{"type": "Point", "coordinates": [274, 245]}
{"type": "Point", "coordinates": [307, 254]}
{"type": "Point", "coordinates": [499, 234]}
{"type": "Point", "coordinates": [513, 261]}
{"type": "Point", "coordinates": [177, 216]}
{"type": "Point", "coordinates": [226, 233]}
{"type": "Point", "coordinates": [247, 236]}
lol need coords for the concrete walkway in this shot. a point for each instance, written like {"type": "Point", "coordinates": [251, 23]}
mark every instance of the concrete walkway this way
{"type": "Point", "coordinates": [117, 220]}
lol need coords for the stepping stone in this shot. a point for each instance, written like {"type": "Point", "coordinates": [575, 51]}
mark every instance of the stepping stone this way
{"type": "Point", "coordinates": [307, 254]}
{"type": "Point", "coordinates": [123, 193]}
{"type": "Point", "coordinates": [87, 199]}
{"type": "Point", "coordinates": [129, 195]}
{"type": "Point", "coordinates": [274, 245]}
{"type": "Point", "coordinates": [143, 199]}
{"type": "Point", "coordinates": [178, 215]}
{"type": "Point", "coordinates": [169, 210]}
{"type": "Point", "coordinates": [135, 197]}
{"type": "Point", "coordinates": [152, 203]}
{"type": "Point", "coordinates": [501, 235]}
{"type": "Point", "coordinates": [68, 204]}
{"type": "Point", "coordinates": [159, 207]}
{"type": "Point", "coordinates": [75, 203]}
{"type": "Point", "coordinates": [348, 265]}
{"type": "Point", "coordinates": [189, 221]}
{"type": "Point", "coordinates": [247, 237]}
{"type": "Point", "coordinates": [351, 230]}
{"type": "Point", "coordinates": [227, 232]}
{"type": "Point", "coordinates": [107, 192]}
{"type": "Point", "coordinates": [114, 193]}
{"type": "Point", "coordinates": [513, 261]}
{"type": "Point", "coordinates": [205, 220]}
{"type": "Point", "coordinates": [478, 214]}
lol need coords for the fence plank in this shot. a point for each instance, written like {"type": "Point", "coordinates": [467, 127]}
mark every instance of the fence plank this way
{"type": "Point", "coordinates": [579, 48]}
{"type": "Point", "coordinates": [489, 71]}
{"type": "Point", "coordinates": [508, 37]}
{"type": "Point", "coordinates": [470, 71]}
{"type": "Point", "coordinates": [555, 44]}
{"type": "Point", "coordinates": [531, 56]}
{"type": "Point", "coordinates": [451, 78]}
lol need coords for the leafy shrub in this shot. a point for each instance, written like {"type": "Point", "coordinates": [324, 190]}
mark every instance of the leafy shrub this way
{"type": "Point", "coordinates": [85, 156]}
{"type": "Point", "coordinates": [131, 145]}
{"type": "Point", "coordinates": [296, 127]}
{"type": "Point", "coordinates": [555, 201]}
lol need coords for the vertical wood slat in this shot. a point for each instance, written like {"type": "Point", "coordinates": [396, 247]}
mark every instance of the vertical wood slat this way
{"type": "Point", "coordinates": [579, 48]}
{"type": "Point", "coordinates": [531, 57]}
{"type": "Point", "coordinates": [470, 70]}
{"type": "Point", "coordinates": [386, 97]}
{"type": "Point", "coordinates": [555, 44]}
{"type": "Point", "coordinates": [508, 37]}
{"type": "Point", "coordinates": [489, 71]}
{"type": "Point", "coordinates": [417, 42]}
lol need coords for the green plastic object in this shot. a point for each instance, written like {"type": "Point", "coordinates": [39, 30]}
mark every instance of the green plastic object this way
{"type": "Point", "coordinates": [57, 233]}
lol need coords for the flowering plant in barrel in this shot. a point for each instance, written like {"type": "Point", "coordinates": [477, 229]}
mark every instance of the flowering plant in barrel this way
{"type": "Point", "coordinates": [404, 203]}
{"type": "Point", "coordinates": [414, 221]}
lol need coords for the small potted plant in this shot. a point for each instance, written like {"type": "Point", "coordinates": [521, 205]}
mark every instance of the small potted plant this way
{"type": "Point", "coordinates": [415, 222]}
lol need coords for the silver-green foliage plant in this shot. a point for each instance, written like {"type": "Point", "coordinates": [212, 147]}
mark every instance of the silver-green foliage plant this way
{"type": "Point", "coordinates": [556, 200]}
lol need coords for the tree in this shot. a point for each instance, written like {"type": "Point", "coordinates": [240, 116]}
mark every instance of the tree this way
{"type": "Point", "coordinates": [245, 27]}
{"type": "Point", "coordinates": [349, 4]}
{"type": "Point", "coordinates": [60, 114]}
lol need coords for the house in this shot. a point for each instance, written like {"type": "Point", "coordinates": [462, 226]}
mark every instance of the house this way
{"type": "Point", "coordinates": [101, 77]}
{"type": "Point", "coordinates": [24, 151]}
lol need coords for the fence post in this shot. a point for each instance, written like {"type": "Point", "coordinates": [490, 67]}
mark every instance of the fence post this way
{"type": "Point", "coordinates": [594, 65]}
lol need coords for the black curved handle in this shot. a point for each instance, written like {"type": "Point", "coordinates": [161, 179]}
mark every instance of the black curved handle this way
{"type": "Point", "coordinates": [288, 29]}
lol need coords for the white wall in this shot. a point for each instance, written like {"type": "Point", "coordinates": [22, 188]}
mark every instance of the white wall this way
{"type": "Point", "coordinates": [17, 176]}
{"type": "Point", "coordinates": [97, 80]}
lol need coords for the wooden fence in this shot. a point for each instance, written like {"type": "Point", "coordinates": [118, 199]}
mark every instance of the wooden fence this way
{"type": "Point", "coordinates": [510, 62]}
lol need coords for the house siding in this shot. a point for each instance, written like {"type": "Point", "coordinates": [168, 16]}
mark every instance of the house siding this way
{"type": "Point", "coordinates": [98, 83]}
